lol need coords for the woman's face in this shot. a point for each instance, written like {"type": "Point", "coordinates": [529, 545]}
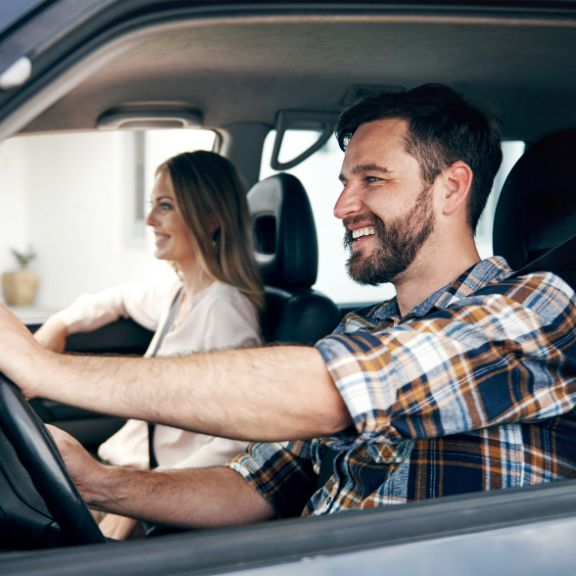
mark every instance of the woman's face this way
{"type": "Point", "coordinates": [173, 240]}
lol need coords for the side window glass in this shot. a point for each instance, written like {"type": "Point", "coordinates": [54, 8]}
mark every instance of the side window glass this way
{"type": "Point", "coordinates": [77, 204]}
{"type": "Point", "coordinates": [511, 152]}
{"type": "Point", "coordinates": [319, 175]}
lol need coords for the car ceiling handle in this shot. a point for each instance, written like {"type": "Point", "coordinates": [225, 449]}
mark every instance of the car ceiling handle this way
{"type": "Point", "coordinates": [16, 75]}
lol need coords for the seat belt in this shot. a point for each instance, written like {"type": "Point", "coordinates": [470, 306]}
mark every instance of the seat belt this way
{"type": "Point", "coordinates": [152, 462]}
{"type": "Point", "coordinates": [560, 260]}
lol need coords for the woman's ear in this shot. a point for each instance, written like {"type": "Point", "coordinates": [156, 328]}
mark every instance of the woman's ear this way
{"type": "Point", "coordinates": [214, 226]}
{"type": "Point", "coordinates": [457, 180]}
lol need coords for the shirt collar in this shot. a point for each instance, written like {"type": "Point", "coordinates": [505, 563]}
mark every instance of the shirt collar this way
{"type": "Point", "coordinates": [493, 269]}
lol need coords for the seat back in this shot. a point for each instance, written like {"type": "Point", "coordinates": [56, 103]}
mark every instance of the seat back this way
{"type": "Point", "coordinates": [286, 249]}
{"type": "Point", "coordinates": [535, 219]}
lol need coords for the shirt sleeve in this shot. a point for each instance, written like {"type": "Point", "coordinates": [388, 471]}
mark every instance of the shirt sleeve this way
{"type": "Point", "coordinates": [282, 473]}
{"type": "Point", "coordinates": [505, 354]}
{"type": "Point", "coordinates": [144, 304]}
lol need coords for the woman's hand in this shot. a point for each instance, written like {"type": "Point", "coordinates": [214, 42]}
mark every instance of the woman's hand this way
{"type": "Point", "coordinates": [52, 335]}
{"type": "Point", "coordinates": [119, 527]}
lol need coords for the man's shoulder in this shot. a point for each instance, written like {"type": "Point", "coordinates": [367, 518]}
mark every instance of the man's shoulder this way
{"type": "Point", "coordinates": [542, 293]}
{"type": "Point", "coordinates": [528, 284]}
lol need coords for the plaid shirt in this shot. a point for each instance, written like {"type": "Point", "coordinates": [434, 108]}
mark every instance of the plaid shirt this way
{"type": "Point", "coordinates": [473, 390]}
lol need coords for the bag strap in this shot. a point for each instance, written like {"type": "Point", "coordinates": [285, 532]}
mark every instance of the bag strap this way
{"type": "Point", "coordinates": [153, 463]}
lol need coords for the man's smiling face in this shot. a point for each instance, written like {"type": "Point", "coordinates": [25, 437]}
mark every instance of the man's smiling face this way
{"type": "Point", "coordinates": [385, 206]}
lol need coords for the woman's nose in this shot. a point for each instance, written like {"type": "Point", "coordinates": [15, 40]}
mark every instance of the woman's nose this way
{"type": "Point", "coordinates": [151, 217]}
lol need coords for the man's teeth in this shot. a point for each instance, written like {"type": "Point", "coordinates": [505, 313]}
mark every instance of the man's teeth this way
{"type": "Point", "coordinates": [367, 231]}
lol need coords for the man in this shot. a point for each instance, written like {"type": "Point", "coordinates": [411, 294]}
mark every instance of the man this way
{"type": "Point", "coordinates": [461, 383]}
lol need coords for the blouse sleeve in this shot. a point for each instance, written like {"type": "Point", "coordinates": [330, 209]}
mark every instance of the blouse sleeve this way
{"type": "Point", "coordinates": [210, 451]}
{"type": "Point", "coordinates": [143, 304]}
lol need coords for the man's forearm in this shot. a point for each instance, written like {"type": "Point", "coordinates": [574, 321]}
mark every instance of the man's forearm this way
{"type": "Point", "coordinates": [192, 498]}
{"type": "Point", "coordinates": [274, 393]}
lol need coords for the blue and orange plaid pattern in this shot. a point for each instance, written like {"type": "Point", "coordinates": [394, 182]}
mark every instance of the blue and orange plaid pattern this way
{"type": "Point", "coordinates": [474, 390]}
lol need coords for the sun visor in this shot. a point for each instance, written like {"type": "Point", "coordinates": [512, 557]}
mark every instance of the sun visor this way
{"type": "Point", "coordinates": [145, 116]}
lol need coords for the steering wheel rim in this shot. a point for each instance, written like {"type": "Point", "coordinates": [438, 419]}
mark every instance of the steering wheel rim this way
{"type": "Point", "coordinates": [38, 453]}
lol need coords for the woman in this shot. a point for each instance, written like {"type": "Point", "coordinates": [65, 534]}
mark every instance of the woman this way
{"type": "Point", "coordinates": [200, 219]}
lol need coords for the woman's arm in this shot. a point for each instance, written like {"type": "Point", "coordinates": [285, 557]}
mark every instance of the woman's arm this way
{"type": "Point", "coordinates": [92, 311]}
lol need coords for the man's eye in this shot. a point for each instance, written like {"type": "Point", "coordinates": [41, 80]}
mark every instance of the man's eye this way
{"type": "Point", "coordinates": [372, 179]}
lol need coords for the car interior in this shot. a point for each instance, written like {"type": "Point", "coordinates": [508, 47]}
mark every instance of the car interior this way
{"type": "Point", "coordinates": [262, 71]}
{"type": "Point", "coordinates": [535, 218]}
{"type": "Point", "coordinates": [288, 261]}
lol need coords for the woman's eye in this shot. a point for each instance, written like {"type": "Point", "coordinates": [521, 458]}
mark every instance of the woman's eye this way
{"type": "Point", "coordinates": [165, 206]}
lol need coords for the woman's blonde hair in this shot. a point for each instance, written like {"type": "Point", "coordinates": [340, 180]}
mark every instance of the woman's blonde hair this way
{"type": "Point", "coordinates": [207, 187]}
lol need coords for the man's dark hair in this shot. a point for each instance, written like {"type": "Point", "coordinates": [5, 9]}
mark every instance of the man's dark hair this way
{"type": "Point", "coordinates": [442, 128]}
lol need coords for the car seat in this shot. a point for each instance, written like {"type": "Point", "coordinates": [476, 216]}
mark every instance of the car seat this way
{"type": "Point", "coordinates": [286, 249]}
{"type": "Point", "coordinates": [535, 218]}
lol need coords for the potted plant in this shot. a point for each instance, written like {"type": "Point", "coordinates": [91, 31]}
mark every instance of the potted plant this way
{"type": "Point", "coordinates": [21, 285]}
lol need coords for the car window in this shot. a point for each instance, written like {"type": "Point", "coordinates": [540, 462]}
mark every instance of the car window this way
{"type": "Point", "coordinates": [319, 175]}
{"type": "Point", "coordinates": [13, 10]}
{"type": "Point", "coordinates": [77, 204]}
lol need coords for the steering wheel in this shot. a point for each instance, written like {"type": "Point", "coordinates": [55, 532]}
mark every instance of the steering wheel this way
{"type": "Point", "coordinates": [38, 453]}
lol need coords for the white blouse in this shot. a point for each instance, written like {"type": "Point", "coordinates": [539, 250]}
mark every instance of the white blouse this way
{"type": "Point", "coordinates": [220, 317]}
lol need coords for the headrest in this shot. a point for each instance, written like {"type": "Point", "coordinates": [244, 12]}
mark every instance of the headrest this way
{"type": "Point", "coordinates": [536, 210]}
{"type": "Point", "coordinates": [284, 231]}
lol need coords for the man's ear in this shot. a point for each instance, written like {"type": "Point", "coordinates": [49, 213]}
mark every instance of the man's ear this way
{"type": "Point", "coordinates": [457, 180]}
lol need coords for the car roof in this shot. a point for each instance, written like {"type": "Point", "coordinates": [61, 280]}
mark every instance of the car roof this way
{"type": "Point", "coordinates": [243, 64]}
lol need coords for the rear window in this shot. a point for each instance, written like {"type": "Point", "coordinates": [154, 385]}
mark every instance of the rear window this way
{"type": "Point", "coordinates": [319, 175]}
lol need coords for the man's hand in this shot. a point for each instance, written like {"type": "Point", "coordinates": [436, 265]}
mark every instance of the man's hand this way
{"type": "Point", "coordinates": [20, 354]}
{"type": "Point", "coordinates": [84, 470]}
{"type": "Point", "coordinates": [199, 498]}
{"type": "Point", "coordinates": [269, 394]}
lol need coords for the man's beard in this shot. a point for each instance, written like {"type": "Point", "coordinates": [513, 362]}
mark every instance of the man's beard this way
{"type": "Point", "coordinates": [398, 244]}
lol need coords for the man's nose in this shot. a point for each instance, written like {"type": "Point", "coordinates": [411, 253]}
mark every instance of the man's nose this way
{"type": "Point", "coordinates": [348, 203]}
